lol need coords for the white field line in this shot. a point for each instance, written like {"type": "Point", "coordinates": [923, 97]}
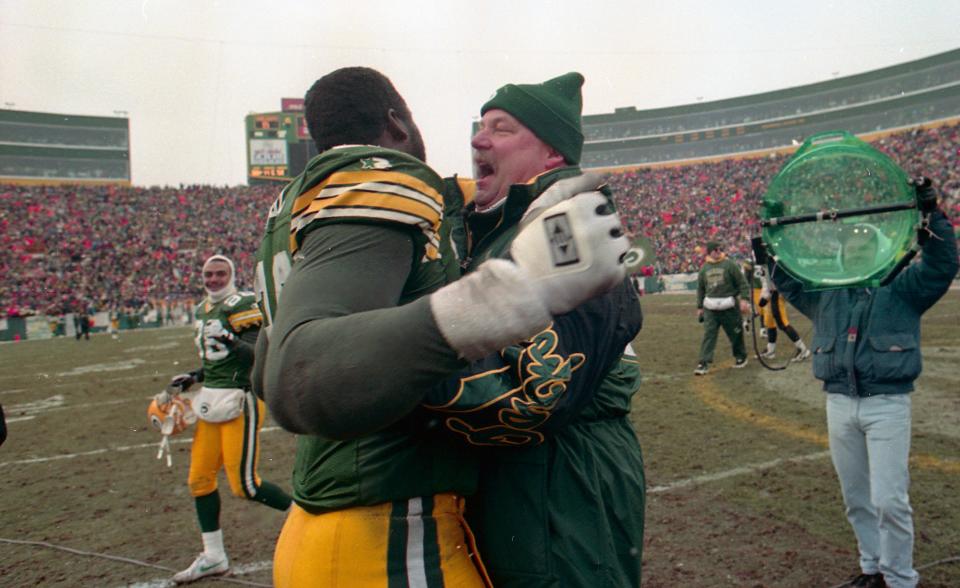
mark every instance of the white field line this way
{"type": "Point", "coordinates": [737, 471]}
{"type": "Point", "coordinates": [139, 348]}
{"type": "Point", "coordinates": [48, 405]}
{"type": "Point", "coordinates": [142, 376]}
{"type": "Point", "coordinates": [55, 401]}
{"type": "Point", "coordinates": [82, 370]}
{"type": "Point", "coordinates": [716, 476]}
{"type": "Point", "coordinates": [35, 460]}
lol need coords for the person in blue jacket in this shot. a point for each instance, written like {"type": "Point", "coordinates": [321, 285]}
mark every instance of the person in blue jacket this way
{"type": "Point", "coordinates": [866, 351]}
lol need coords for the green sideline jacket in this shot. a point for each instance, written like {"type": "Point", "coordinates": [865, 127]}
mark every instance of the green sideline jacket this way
{"type": "Point", "coordinates": [561, 495]}
{"type": "Point", "coordinates": [719, 279]}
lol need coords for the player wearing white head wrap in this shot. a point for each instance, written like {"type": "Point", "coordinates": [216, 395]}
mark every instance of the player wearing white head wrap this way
{"type": "Point", "coordinates": [230, 416]}
{"type": "Point", "coordinates": [219, 281]}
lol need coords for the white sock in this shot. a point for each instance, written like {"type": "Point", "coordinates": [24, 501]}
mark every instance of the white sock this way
{"type": "Point", "coordinates": [213, 545]}
{"type": "Point", "coordinates": [799, 345]}
{"type": "Point", "coordinates": [771, 348]}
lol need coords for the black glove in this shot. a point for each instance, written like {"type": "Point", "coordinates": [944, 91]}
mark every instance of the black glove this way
{"type": "Point", "coordinates": [182, 382]}
{"type": "Point", "coordinates": [759, 250]}
{"type": "Point", "coordinates": [926, 194]}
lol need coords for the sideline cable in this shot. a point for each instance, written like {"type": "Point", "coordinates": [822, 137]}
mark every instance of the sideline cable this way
{"type": "Point", "coordinates": [760, 272]}
{"type": "Point", "coordinates": [754, 315]}
{"type": "Point", "coordinates": [123, 560]}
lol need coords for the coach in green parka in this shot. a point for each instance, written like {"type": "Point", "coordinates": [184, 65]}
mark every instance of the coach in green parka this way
{"type": "Point", "coordinates": [561, 498]}
{"type": "Point", "coordinates": [722, 298]}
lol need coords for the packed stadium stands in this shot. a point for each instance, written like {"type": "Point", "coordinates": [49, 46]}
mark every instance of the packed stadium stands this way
{"type": "Point", "coordinates": [110, 248]}
{"type": "Point", "coordinates": [116, 247]}
{"type": "Point", "coordinates": [680, 207]}
{"type": "Point", "coordinates": [681, 174]}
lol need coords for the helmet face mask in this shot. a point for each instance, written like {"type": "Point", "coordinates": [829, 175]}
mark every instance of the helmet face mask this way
{"type": "Point", "coordinates": [171, 418]}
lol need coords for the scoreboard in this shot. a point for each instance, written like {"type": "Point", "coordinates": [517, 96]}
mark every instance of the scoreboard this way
{"type": "Point", "coordinates": [278, 144]}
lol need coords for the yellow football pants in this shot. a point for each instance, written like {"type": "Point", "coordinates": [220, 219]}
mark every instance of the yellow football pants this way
{"type": "Point", "coordinates": [769, 321]}
{"type": "Point", "coordinates": [233, 445]}
{"type": "Point", "coordinates": [422, 542]}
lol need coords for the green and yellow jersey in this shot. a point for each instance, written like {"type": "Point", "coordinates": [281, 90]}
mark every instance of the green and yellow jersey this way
{"type": "Point", "coordinates": [223, 367]}
{"type": "Point", "coordinates": [364, 186]}
{"type": "Point", "coordinates": [357, 184]}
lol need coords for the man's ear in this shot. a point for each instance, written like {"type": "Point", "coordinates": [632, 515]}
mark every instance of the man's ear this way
{"type": "Point", "coordinates": [554, 160]}
{"type": "Point", "coordinates": [396, 127]}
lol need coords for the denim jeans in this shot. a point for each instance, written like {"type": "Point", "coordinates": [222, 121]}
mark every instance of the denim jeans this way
{"type": "Point", "coordinates": [870, 447]}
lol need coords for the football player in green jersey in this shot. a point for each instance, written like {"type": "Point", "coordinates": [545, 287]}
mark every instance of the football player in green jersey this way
{"type": "Point", "coordinates": [360, 244]}
{"type": "Point", "coordinates": [229, 415]}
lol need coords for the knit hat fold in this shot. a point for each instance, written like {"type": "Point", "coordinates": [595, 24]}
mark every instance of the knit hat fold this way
{"type": "Point", "coordinates": [550, 110]}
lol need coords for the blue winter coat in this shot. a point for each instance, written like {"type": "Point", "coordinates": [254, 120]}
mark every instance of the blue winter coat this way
{"type": "Point", "coordinates": [866, 341]}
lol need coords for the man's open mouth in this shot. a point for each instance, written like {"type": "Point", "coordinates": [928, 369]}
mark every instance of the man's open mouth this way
{"type": "Point", "coordinates": [482, 169]}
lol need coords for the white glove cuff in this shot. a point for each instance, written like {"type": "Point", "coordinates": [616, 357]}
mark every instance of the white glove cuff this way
{"type": "Point", "coordinates": [493, 307]}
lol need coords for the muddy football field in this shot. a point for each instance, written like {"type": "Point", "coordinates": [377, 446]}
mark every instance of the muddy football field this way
{"type": "Point", "coordinates": [741, 490]}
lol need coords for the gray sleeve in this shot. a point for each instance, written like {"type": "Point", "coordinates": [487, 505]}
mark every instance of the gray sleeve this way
{"type": "Point", "coordinates": [343, 360]}
{"type": "Point", "coordinates": [259, 357]}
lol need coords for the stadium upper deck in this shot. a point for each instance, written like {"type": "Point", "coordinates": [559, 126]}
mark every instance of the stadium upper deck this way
{"type": "Point", "coordinates": [893, 97]}
{"type": "Point", "coordinates": [40, 147]}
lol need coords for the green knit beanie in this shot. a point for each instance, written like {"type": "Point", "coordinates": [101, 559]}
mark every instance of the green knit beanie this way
{"type": "Point", "coordinates": [551, 110]}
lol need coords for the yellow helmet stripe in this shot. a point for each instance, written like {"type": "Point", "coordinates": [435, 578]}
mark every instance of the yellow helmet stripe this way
{"type": "Point", "coordinates": [379, 181]}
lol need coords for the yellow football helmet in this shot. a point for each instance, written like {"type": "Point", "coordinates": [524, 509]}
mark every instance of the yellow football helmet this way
{"type": "Point", "coordinates": [172, 417]}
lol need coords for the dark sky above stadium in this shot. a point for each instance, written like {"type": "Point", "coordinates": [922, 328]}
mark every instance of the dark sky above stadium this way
{"type": "Point", "coordinates": [186, 72]}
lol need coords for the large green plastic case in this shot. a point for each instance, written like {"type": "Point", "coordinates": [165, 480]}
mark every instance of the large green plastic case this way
{"type": "Point", "coordinates": [835, 171]}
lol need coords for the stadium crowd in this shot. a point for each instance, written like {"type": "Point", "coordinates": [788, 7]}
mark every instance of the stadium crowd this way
{"type": "Point", "coordinates": [114, 248]}
{"type": "Point", "coordinates": [680, 208]}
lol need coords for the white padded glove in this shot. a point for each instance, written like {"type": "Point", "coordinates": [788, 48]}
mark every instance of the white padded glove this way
{"type": "Point", "coordinates": [573, 251]}
{"type": "Point", "coordinates": [564, 256]}
{"type": "Point", "coordinates": [215, 330]}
